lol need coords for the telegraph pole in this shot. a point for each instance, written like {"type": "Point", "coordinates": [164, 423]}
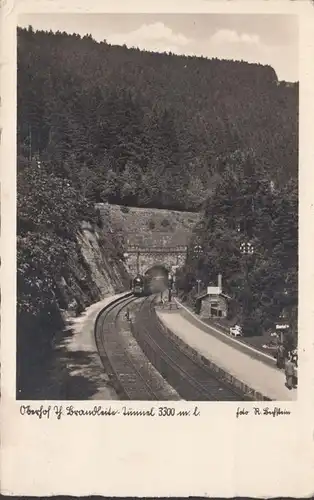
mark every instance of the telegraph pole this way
{"type": "Point", "coordinates": [247, 249]}
{"type": "Point", "coordinates": [198, 251]}
{"type": "Point", "coordinates": [170, 283]}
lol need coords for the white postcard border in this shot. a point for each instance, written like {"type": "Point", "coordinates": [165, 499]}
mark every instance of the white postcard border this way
{"type": "Point", "coordinates": [213, 454]}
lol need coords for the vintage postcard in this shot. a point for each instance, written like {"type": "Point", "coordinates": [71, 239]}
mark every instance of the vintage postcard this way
{"type": "Point", "coordinates": [156, 280]}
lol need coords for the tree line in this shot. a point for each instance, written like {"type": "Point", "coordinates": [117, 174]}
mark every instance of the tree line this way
{"type": "Point", "coordinates": [148, 129]}
{"type": "Point", "coordinates": [248, 208]}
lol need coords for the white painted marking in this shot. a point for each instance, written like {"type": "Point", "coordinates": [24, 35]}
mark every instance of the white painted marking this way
{"type": "Point", "coordinates": [224, 334]}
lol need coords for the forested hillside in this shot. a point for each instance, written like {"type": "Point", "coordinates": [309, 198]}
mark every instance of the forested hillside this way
{"type": "Point", "coordinates": [148, 129]}
{"type": "Point", "coordinates": [100, 123]}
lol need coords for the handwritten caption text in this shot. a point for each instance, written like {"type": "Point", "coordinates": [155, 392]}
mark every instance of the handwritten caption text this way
{"type": "Point", "coordinates": [266, 411]}
{"type": "Point", "coordinates": [59, 411]}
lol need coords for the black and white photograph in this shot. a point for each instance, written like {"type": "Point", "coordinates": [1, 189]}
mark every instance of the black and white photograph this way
{"type": "Point", "coordinates": [157, 207]}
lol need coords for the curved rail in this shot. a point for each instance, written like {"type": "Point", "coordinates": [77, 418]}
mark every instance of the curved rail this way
{"type": "Point", "coordinates": [132, 376]}
{"type": "Point", "coordinates": [219, 373]}
{"type": "Point", "coordinates": [191, 379]}
{"type": "Point", "coordinates": [126, 378]}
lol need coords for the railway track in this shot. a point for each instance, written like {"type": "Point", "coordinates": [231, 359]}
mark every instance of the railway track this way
{"type": "Point", "coordinates": [192, 380]}
{"type": "Point", "coordinates": [132, 375]}
{"type": "Point", "coordinates": [145, 364]}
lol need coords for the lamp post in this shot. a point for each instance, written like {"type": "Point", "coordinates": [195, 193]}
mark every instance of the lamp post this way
{"type": "Point", "coordinates": [198, 251]}
{"type": "Point", "coordinates": [170, 283]}
{"type": "Point", "coordinates": [247, 250]}
{"type": "Point", "coordinates": [174, 271]}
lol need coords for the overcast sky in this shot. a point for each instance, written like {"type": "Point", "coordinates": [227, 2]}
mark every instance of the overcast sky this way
{"type": "Point", "coordinates": [264, 38]}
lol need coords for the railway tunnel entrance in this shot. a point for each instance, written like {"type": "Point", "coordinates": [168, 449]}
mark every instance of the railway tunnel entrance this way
{"type": "Point", "coordinates": [140, 259]}
{"type": "Point", "coordinates": [157, 278]}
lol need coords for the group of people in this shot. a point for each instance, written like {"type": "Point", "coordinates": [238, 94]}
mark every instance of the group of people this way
{"type": "Point", "coordinates": [288, 360]}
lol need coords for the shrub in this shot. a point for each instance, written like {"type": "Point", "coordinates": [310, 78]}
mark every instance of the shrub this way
{"type": "Point", "coordinates": [165, 223]}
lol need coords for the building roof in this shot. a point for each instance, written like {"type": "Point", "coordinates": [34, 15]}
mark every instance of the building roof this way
{"type": "Point", "coordinates": [201, 296]}
{"type": "Point", "coordinates": [213, 290]}
{"type": "Point", "coordinates": [205, 294]}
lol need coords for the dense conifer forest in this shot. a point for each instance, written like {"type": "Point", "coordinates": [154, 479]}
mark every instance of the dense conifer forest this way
{"type": "Point", "coordinates": [108, 123]}
{"type": "Point", "coordinates": [148, 129]}
{"type": "Point", "coordinates": [246, 207]}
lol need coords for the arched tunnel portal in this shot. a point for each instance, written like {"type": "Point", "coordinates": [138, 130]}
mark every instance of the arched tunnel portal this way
{"type": "Point", "coordinates": [157, 278]}
{"type": "Point", "coordinates": [141, 259]}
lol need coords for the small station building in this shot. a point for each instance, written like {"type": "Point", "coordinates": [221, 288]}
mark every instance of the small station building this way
{"type": "Point", "coordinates": [213, 303]}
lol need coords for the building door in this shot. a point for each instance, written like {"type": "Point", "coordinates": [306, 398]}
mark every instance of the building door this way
{"type": "Point", "coordinates": [213, 311]}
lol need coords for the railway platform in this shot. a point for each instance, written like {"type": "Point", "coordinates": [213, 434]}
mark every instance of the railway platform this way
{"type": "Point", "coordinates": [254, 373]}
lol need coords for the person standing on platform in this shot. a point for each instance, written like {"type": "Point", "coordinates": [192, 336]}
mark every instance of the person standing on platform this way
{"type": "Point", "coordinates": [295, 368]}
{"type": "Point", "coordinates": [289, 372]}
{"type": "Point", "coordinates": [280, 356]}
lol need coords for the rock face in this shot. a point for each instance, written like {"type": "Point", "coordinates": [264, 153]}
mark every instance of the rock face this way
{"type": "Point", "coordinates": [96, 270]}
{"type": "Point", "coordinates": [108, 274]}
{"type": "Point", "coordinates": [151, 226]}
{"type": "Point", "coordinates": [93, 268]}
